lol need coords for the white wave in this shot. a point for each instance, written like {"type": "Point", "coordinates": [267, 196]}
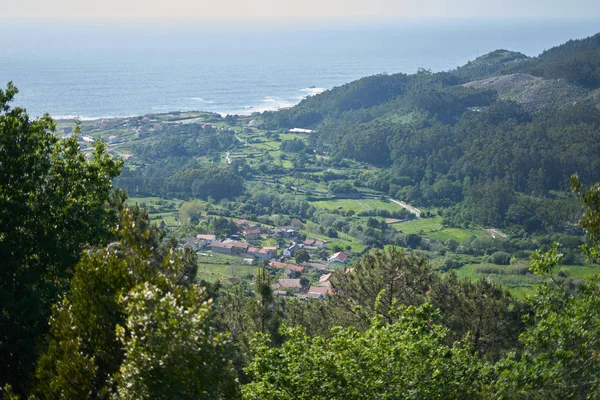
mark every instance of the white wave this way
{"type": "Point", "coordinates": [269, 103]}
{"type": "Point", "coordinates": [79, 117]}
{"type": "Point", "coordinates": [197, 99]}
{"type": "Point", "coordinates": [312, 91]}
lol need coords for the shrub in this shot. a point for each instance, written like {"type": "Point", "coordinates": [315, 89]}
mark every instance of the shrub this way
{"type": "Point", "coordinates": [500, 258]}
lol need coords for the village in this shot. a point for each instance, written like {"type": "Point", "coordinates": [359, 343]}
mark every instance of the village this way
{"type": "Point", "coordinates": [293, 265]}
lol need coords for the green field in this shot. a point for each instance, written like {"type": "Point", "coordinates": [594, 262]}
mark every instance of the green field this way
{"type": "Point", "coordinates": [215, 266]}
{"type": "Point", "coordinates": [291, 136]}
{"type": "Point", "coordinates": [581, 271]}
{"type": "Point", "coordinates": [213, 272]}
{"type": "Point", "coordinates": [433, 228]}
{"type": "Point", "coordinates": [346, 240]}
{"type": "Point", "coordinates": [159, 209]}
{"type": "Point", "coordinates": [521, 285]}
{"type": "Point", "coordinates": [356, 205]}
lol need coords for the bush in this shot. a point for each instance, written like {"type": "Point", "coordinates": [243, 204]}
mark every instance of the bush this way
{"type": "Point", "coordinates": [451, 263]}
{"type": "Point", "coordinates": [563, 273]}
{"type": "Point", "coordinates": [500, 258]}
{"type": "Point", "coordinates": [413, 240]}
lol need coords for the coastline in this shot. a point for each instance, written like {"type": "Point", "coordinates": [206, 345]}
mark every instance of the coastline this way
{"type": "Point", "coordinates": [268, 103]}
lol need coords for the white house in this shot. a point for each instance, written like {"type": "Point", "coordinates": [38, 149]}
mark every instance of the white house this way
{"type": "Point", "coordinates": [339, 257]}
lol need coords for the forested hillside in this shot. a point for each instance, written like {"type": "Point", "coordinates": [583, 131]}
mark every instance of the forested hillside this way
{"type": "Point", "coordinates": [517, 132]}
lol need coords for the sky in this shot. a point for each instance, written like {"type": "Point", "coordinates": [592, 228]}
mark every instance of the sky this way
{"type": "Point", "coordinates": [298, 9]}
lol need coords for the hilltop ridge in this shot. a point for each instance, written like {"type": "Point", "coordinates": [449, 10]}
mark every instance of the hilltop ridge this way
{"type": "Point", "coordinates": [568, 73]}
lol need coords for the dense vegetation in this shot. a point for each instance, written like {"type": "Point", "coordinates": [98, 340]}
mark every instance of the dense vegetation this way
{"type": "Point", "coordinates": [97, 302]}
{"type": "Point", "coordinates": [53, 204]}
{"type": "Point", "coordinates": [130, 320]}
{"type": "Point", "coordinates": [576, 61]}
{"type": "Point", "coordinates": [443, 144]}
{"type": "Point", "coordinates": [169, 166]}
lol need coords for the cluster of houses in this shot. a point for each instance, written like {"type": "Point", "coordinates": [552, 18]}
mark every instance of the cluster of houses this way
{"type": "Point", "coordinates": [290, 285]}
{"type": "Point", "coordinates": [294, 287]}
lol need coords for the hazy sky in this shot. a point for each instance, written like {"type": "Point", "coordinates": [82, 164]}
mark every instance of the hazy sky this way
{"type": "Point", "coordinates": [286, 9]}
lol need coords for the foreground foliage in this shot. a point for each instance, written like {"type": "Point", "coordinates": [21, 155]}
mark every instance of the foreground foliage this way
{"type": "Point", "coordinates": [403, 360]}
{"type": "Point", "coordinates": [53, 204]}
{"type": "Point", "coordinates": [133, 325]}
{"type": "Point", "coordinates": [560, 357]}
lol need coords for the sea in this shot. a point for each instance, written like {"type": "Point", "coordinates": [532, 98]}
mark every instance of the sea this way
{"type": "Point", "coordinates": [102, 69]}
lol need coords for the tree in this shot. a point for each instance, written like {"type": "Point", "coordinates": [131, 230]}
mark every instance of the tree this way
{"type": "Point", "coordinates": [246, 310]}
{"type": "Point", "coordinates": [87, 359]}
{"type": "Point", "coordinates": [481, 310]}
{"type": "Point", "coordinates": [403, 360]}
{"type": "Point", "coordinates": [500, 258]}
{"type": "Point", "coordinates": [590, 197]}
{"type": "Point", "coordinates": [191, 211]}
{"type": "Point", "coordinates": [53, 204]}
{"type": "Point", "coordinates": [264, 314]}
{"type": "Point", "coordinates": [413, 240]}
{"type": "Point", "coordinates": [170, 349]}
{"type": "Point", "coordinates": [332, 233]}
{"type": "Point", "coordinates": [302, 256]}
{"type": "Point", "coordinates": [560, 355]}
{"type": "Point", "coordinates": [392, 277]}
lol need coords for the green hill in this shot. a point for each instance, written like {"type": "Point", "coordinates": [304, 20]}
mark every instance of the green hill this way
{"type": "Point", "coordinates": [486, 138]}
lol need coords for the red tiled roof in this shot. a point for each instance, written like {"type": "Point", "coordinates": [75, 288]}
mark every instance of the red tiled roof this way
{"type": "Point", "coordinates": [289, 283]}
{"type": "Point", "coordinates": [314, 242]}
{"type": "Point", "coordinates": [205, 237]}
{"type": "Point", "coordinates": [222, 245]}
{"type": "Point", "coordinates": [258, 251]}
{"type": "Point", "coordinates": [340, 256]}
{"type": "Point", "coordinates": [292, 267]}
{"type": "Point", "coordinates": [277, 264]}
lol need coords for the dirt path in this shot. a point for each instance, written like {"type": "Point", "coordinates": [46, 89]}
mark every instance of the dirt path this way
{"type": "Point", "coordinates": [410, 208]}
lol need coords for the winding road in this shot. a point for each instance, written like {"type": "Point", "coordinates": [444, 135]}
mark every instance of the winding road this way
{"type": "Point", "coordinates": [410, 208]}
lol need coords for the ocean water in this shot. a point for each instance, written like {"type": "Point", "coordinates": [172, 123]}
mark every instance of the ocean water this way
{"type": "Point", "coordinates": [100, 69]}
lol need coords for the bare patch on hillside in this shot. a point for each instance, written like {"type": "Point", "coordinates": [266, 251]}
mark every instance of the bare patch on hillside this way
{"type": "Point", "coordinates": [532, 92]}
